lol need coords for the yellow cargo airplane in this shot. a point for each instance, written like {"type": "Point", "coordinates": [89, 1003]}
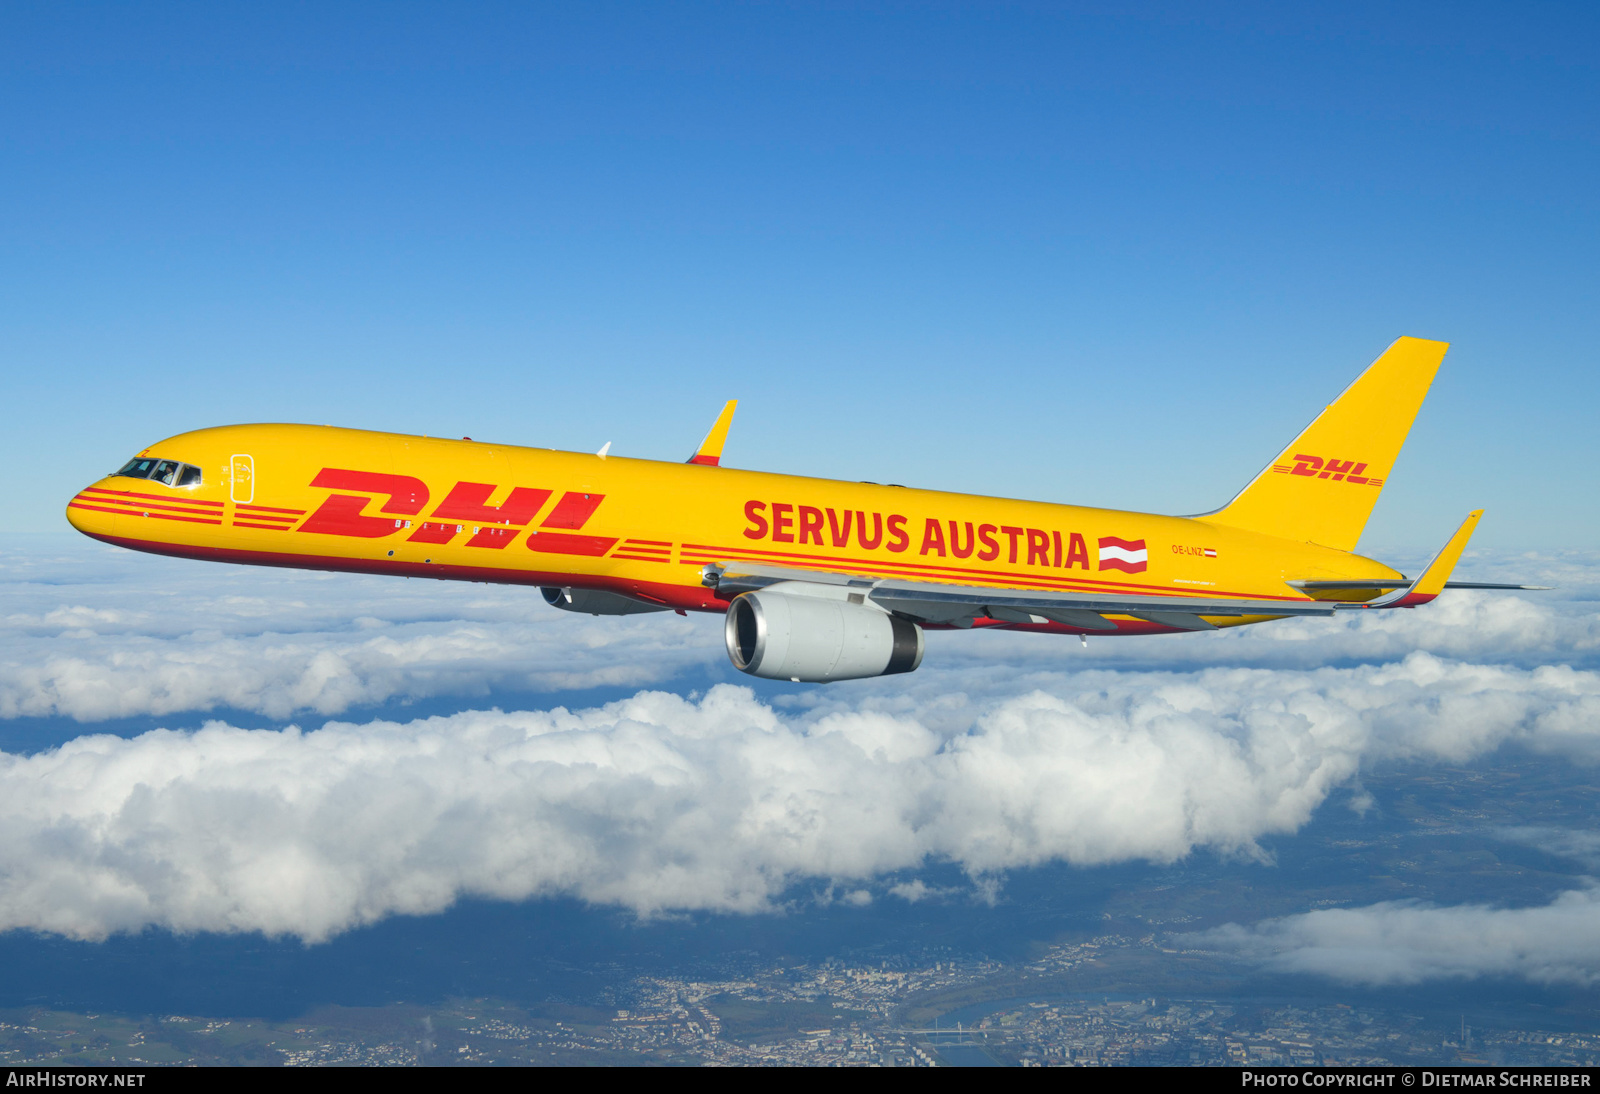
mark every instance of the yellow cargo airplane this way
{"type": "Point", "coordinates": [818, 580]}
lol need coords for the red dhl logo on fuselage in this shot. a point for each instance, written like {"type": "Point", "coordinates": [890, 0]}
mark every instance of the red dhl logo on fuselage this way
{"type": "Point", "coordinates": [1315, 467]}
{"type": "Point", "coordinates": [785, 522]}
{"type": "Point", "coordinates": [464, 509]}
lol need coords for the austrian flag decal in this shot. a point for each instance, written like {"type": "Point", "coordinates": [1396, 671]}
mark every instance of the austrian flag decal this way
{"type": "Point", "coordinates": [1127, 555]}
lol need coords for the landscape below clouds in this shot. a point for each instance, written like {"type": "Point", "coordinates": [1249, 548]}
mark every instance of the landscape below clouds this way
{"type": "Point", "coordinates": [340, 759]}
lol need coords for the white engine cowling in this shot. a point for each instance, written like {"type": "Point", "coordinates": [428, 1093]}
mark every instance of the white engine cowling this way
{"type": "Point", "coordinates": [818, 638]}
{"type": "Point", "coordinates": [597, 602]}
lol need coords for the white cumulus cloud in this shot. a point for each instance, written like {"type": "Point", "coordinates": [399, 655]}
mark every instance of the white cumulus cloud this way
{"type": "Point", "coordinates": [661, 802]}
{"type": "Point", "coordinates": [1409, 942]}
{"type": "Point", "coordinates": [1402, 942]}
{"type": "Point", "coordinates": [1004, 751]}
{"type": "Point", "coordinates": [94, 632]}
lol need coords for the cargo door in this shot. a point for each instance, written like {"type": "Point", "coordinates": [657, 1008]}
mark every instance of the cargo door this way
{"type": "Point", "coordinates": [244, 479]}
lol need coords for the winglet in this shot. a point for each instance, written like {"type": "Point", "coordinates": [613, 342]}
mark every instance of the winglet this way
{"type": "Point", "coordinates": [710, 451]}
{"type": "Point", "coordinates": [1433, 579]}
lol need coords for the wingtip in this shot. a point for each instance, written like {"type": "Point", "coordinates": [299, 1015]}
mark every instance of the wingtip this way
{"type": "Point", "coordinates": [709, 454]}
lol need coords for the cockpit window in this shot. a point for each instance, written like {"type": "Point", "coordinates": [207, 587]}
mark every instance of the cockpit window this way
{"type": "Point", "coordinates": [166, 472]}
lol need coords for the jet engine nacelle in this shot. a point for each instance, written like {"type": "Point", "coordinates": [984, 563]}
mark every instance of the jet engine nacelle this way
{"type": "Point", "coordinates": [596, 602]}
{"type": "Point", "coordinates": [814, 639]}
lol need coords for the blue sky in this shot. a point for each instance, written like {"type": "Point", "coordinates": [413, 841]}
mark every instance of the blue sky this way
{"type": "Point", "coordinates": [1073, 253]}
{"type": "Point", "coordinates": [1070, 252]}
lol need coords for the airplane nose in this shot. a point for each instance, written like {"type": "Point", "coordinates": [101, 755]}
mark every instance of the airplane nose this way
{"type": "Point", "coordinates": [90, 515]}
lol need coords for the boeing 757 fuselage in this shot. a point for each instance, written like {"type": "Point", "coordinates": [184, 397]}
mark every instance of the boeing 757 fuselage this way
{"type": "Point", "coordinates": [819, 580]}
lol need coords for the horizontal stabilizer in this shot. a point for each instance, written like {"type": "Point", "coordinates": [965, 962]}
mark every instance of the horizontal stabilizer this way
{"type": "Point", "coordinates": [1405, 583]}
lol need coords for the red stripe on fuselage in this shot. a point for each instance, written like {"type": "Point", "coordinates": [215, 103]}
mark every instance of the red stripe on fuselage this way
{"type": "Point", "coordinates": [689, 598]}
{"type": "Point", "coordinates": [152, 497]}
{"type": "Point", "coordinates": [692, 598]}
{"type": "Point", "coordinates": [76, 504]}
{"type": "Point", "coordinates": [268, 509]}
{"type": "Point", "coordinates": [141, 513]}
{"type": "Point", "coordinates": [146, 506]}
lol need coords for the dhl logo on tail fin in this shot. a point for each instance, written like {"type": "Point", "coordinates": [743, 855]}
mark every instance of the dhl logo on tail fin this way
{"type": "Point", "coordinates": [1306, 497]}
{"type": "Point", "coordinates": [1315, 467]}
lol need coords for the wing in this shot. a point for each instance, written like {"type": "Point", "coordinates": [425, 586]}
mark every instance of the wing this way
{"type": "Point", "coordinates": [961, 605]}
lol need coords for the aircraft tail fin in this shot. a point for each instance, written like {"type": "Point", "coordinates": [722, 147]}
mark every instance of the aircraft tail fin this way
{"type": "Point", "coordinates": [1322, 487]}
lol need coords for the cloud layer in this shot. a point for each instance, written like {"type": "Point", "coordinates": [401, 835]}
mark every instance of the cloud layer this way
{"type": "Point", "coordinates": [91, 633]}
{"type": "Point", "coordinates": [1004, 751]}
{"type": "Point", "coordinates": [661, 803]}
{"type": "Point", "coordinates": [1409, 942]}
{"type": "Point", "coordinates": [1401, 942]}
